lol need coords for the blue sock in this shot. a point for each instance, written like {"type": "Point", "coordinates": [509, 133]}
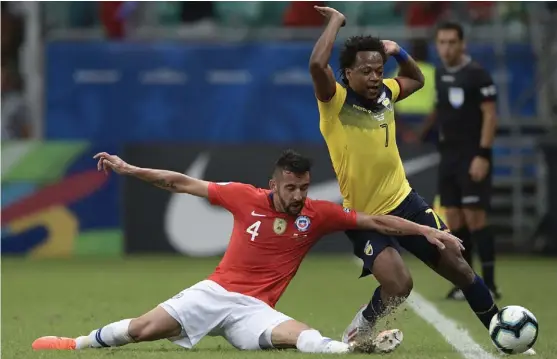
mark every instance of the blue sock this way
{"type": "Point", "coordinates": [375, 308]}
{"type": "Point", "coordinates": [478, 296]}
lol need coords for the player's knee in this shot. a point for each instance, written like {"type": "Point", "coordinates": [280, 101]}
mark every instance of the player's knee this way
{"type": "Point", "coordinates": [454, 217]}
{"type": "Point", "coordinates": [399, 287]}
{"type": "Point", "coordinates": [475, 219]}
{"type": "Point", "coordinates": [147, 329]}
{"type": "Point", "coordinates": [461, 274]}
{"type": "Point", "coordinates": [138, 329]}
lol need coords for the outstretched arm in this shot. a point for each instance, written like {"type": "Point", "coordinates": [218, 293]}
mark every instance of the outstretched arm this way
{"type": "Point", "coordinates": [168, 180]}
{"type": "Point", "coordinates": [396, 226]}
{"type": "Point", "coordinates": [409, 77]}
{"type": "Point", "coordinates": [324, 82]}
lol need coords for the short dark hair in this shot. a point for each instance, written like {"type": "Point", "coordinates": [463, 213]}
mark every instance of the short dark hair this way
{"type": "Point", "coordinates": [355, 44]}
{"type": "Point", "coordinates": [294, 162]}
{"type": "Point", "coordinates": [449, 25]}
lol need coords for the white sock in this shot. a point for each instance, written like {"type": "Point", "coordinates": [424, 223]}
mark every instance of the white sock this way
{"type": "Point", "coordinates": [311, 341]}
{"type": "Point", "coordinates": [111, 335]}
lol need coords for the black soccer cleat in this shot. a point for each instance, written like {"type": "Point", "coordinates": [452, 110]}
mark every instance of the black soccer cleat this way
{"type": "Point", "coordinates": [495, 293]}
{"type": "Point", "coordinates": [455, 294]}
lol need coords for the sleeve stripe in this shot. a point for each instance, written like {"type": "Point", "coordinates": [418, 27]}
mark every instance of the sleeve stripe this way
{"type": "Point", "coordinates": [399, 88]}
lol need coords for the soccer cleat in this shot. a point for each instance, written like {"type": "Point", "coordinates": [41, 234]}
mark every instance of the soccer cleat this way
{"type": "Point", "coordinates": [386, 342]}
{"type": "Point", "coordinates": [495, 293]}
{"type": "Point", "coordinates": [359, 336]}
{"type": "Point", "coordinates": [54, 343]}
{"type": "Point", "coordinates": [359, 327]}
{"type": "Point", "coordinates": [336, 347]}
{"type": "Point", "coordinates": [455, 294]}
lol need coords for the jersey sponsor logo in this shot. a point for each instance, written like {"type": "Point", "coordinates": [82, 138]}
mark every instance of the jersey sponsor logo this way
{"type": "Point", "coordinates": [299, 237]}
{"type": "Point", "coordinates": [347, 210]}
{"type": "Point", "coordinates": [456, 96]}
{"type": "Point", "coordinates": [279, 226]}
{"type": "Point", "coordinates": [368, 249]}
{"type": "Point", "coordinates": [302, 223]}
{"type": "Point", "coordinates": [257, 214]}
{"type": "Point", "coordinates": [379, 117]}
{"type": "Point", "coordinates": [360, 108]}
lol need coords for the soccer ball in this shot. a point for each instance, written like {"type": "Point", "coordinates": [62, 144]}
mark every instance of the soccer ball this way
{"type": "Point", "coordinates": [513, 330]}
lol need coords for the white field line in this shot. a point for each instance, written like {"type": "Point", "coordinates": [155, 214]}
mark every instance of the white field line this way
{"type": "Point", "coordinates": [456, 336]}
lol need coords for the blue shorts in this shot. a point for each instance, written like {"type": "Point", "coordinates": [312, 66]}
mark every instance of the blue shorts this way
{"type": "Point", "coordinates": [368, 244]}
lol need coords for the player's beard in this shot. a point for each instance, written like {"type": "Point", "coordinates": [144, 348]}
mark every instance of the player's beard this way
{"type": "Point", "coordinates": [293, 208]}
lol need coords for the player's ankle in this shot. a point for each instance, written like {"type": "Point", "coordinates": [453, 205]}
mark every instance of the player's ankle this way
{"type": "Point", "coordinates": [311, 341]}
{"type": "Point", "coordinates": [82, 342]}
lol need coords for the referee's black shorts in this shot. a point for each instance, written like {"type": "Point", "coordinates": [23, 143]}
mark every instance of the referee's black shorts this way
{"type": "Point", "coordinates": [455, 185]}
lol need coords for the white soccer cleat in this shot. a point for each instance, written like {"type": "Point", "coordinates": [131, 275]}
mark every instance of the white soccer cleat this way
{"type": "Point", "coordinates": [387, 341]}
{"type": "Point", "coordinates": [359, 336]}
{"type": "Point", "coordinates": [530, 351]}
{"type": "Point", "coordinates": [359, 327]}
{"type": "Point", "coordinates": [336, 347]}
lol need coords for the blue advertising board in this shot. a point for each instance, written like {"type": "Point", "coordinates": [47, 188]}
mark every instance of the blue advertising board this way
{"type": "Point", "coordinates": [113, 92]}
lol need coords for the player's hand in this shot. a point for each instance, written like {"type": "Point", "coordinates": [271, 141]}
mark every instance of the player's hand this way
{"type": "Point", "coordinates": [391, 47]}
{"type": "Point", "coordinates": [330, 13]}
{"type": "Point", "coordinates": [108, 162]}
{"type": "Point", "coordinates": [441, 238]}
{"type": "Point", "coordinates": [478, 168]}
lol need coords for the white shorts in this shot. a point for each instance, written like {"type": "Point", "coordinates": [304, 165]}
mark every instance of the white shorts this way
{"type": "Point", "coordinates": [208, 309]}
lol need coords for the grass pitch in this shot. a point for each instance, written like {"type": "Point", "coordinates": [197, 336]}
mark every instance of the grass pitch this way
{"type": "Point", "coordinates": [72, 297]}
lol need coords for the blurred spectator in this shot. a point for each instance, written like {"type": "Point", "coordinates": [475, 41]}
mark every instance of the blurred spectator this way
{"type": "Point", "coordinates": [113, 26]}
{"type": "Point", "coordinates": [480, 12]}
{"type": "Point", "coordinates": [426, 13]}
{"type": "Point", "coordinates": [14, 116]}
{"type": "Point", "coordinates": [115, 15]}
{"type": "Point", "coordinates": [12, 36]}
{"type": "Point", "coordinates": [302, 14]}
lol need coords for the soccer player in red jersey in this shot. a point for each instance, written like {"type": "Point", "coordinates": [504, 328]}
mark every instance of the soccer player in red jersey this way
{"type": "Point", "coordinates": [273, 231]}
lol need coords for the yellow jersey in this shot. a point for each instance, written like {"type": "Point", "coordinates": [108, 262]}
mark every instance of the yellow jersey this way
{"type": "Point", "coordinates": [363, 150]}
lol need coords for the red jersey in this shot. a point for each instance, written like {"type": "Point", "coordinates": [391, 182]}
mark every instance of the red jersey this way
{"type": "Point", "coordinates": [267, 247]}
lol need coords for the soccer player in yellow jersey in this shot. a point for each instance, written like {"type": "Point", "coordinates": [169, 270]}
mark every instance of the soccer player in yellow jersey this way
{"type": "Point", "coordinates": [357, 122]}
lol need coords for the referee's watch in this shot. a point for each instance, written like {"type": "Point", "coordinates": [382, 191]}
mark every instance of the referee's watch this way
{"type": "Point", "coordinates": [485, 153]}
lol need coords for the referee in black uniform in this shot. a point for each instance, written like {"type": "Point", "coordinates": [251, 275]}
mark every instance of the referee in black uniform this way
{"type": "Point", "coordinates": [466, 117]}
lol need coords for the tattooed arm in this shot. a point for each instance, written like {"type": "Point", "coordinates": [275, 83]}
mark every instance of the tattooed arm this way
{"type": "Point", "coordinates": [395, 226]}
{"type": "Point", "coordinates": [168, 180]}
